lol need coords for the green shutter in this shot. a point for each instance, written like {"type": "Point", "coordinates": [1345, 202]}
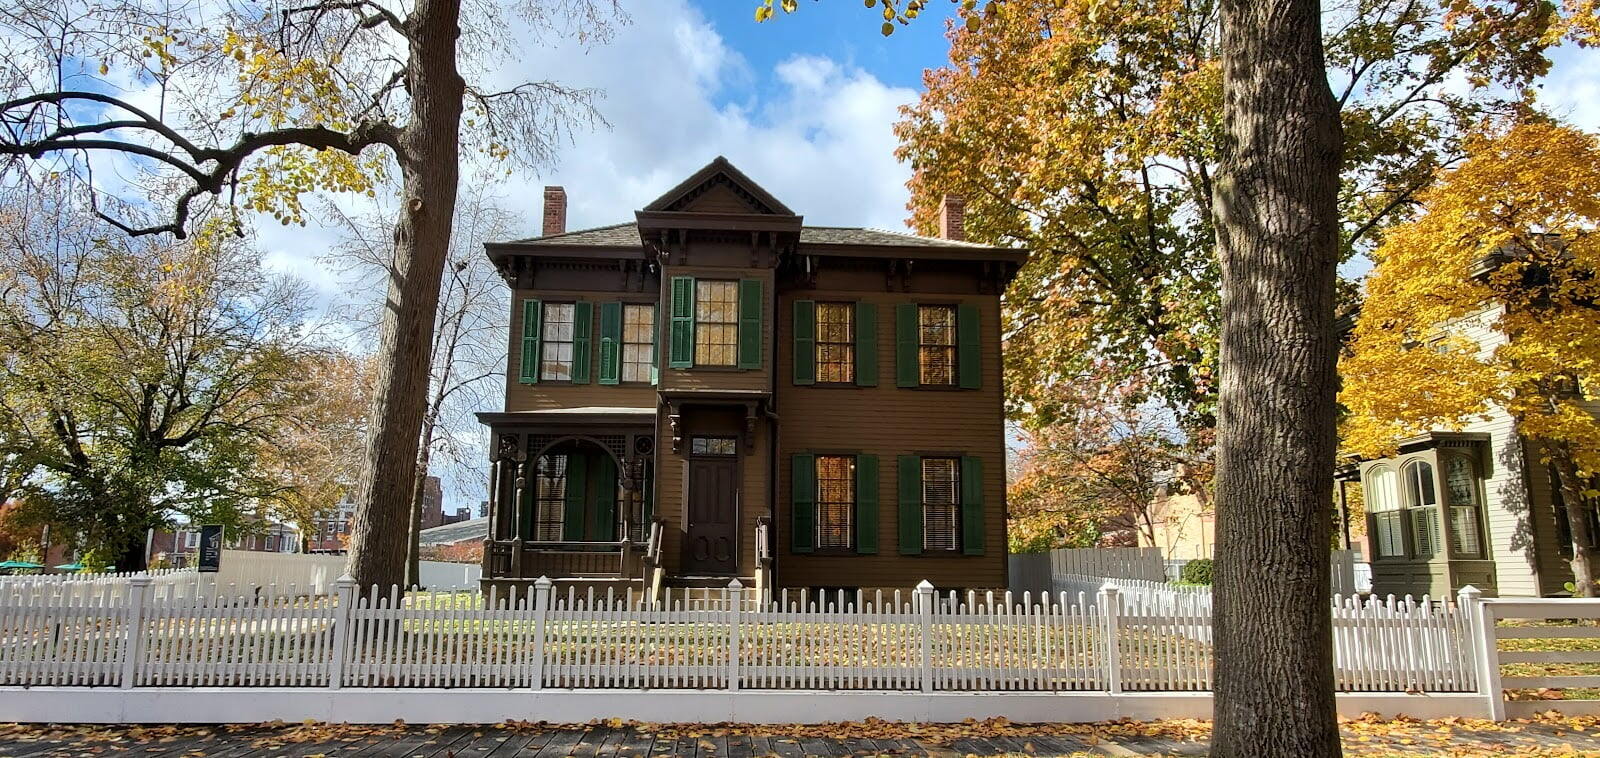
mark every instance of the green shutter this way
{"type": "Point", "coordinates": [867, 504]}
{"type": "Point", "coordinates": [610, 343]}
{"type": "Point", "coordinates": [971, 505]}
{"type": "Point", "coordinates": [582, 341]}
{"type": "Point", "coordinates": [529, 493]}
{"type": "Point", "coordinates": [907, 372]}
{"type": "Point", "coordinates": [750, 307]}
{"type": "Point", "coordinates": [530, 341]}
{"type": "Point", "coordinates": [680, 347]}
{"type": "Point", "coordinates": [802, 502]}
{"type": "Point", "coordinates": [866, 345]}
{"type": "Point", "coordinates": [909, 484]}
{"type": "Point", "coordinates": [577, 490]}
{"type": "Point", "coordinates": [603, 517]}
{"type": "Point", "coordinates": [805, 342]}
{"type": "Point", "coordinates": [969, 364]}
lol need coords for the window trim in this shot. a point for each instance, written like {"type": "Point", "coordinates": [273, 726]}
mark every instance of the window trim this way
{"type": "Point", "coordinates": [698, 327]}
{"type": "Point", "coordinates": [622, 343]}
{"type": "Point", "coordinates": [1448, 505]}
{"type": "Point", "coordinates": [954, 347]}
{"type": "Point", "coordinates": [850, 347]}
{"type": "Point", "coordinates": [850, 513]}
{"type": "Point", "coordinates": [955, 504]}
{"type": "Point", "coordinates": [545, 342]}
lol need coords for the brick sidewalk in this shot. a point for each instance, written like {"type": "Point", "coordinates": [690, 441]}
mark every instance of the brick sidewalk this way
{"type": "Point", "coordinates": [1539, 738]}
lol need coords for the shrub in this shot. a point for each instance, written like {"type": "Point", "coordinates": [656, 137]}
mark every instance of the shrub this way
{"type": "Point", "coordinates": [1197, 571]}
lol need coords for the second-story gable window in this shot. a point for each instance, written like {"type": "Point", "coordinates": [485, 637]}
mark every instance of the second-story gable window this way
{"type": "Point", "coordinates": [716, 322]}
{"type": "Point", "coordinates": [936, 344]}
{"type": "Point", "coordinates": [555, 363]}
{"type": "Point", "coordinates": [836, 343]}
{"type": "Point", "coordinates": [638, 342]}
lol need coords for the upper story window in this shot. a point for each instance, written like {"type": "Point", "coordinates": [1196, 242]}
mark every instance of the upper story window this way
{"type": "Point", "coordinates": [836, 501]}
{"type": "Point", "coordinates": [716, 323]}
{"type": "Point", "coordinates": [936, 344]}
{"type": "Point", "coordinates": [638, 342]}
{"type": "Point", "coordinates": [836, 343]}
{"type": "Point", "coordinates": [555, 362]}
{"type": "Point", "coordinates": [941, 504]}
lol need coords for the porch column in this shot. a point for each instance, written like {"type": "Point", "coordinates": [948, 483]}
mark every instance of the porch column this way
{"type": "Point", "coordinates": [520, 485]}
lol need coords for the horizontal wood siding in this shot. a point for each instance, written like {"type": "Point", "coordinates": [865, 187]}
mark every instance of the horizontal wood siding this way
{"type": "Point", "coordinates": [546, 395]}
{"type": "Point", "coordinates": [672, 477]}
{"type": "Point", "coordinates": [889, 421]}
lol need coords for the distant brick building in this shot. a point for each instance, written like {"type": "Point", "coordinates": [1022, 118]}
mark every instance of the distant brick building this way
{"type": "Point", "coordinates": [332, 531]}
{"type": "Point", "coordinates": [432, 502]}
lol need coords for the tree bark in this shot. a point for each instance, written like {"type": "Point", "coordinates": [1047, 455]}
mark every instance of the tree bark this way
{"type": "Point", "coordinates": [429, 159]}
{"type": "Point", "coordinates": [1578, 507]}
{"type": "Point", "coordinates": [1277, 237]}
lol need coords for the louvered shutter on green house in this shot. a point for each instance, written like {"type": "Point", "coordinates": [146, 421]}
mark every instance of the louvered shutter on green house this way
{"type": "Point", "coordinates": [805, 342]}
{"type": "Point", "coordinates": [907, 372]}
{"type": "Point", "coordinates": [530, 342]}
{"type": "Point", "coordinates": [802, 503]}
{"type": "Point", "coordinates": [866, 345]}
{"type": "Point", "coordinates": [603, 517]}
{"type": "Point", "coordinates": [577, 485]}
{"type": "Point", "coordinates": [611, 343]}
{"type": "Point", "coordinates": [582, 341]}
{"type": "Point", "coordinates": [908, 482]}
{"type": "Point", "coordinates": [971, 506]}
{"type": "Point", "coordinates": [526, 509]}
{"type": "Point", "coordinates": [969, 369]}
{"type": "Point", "coordinates": [750, 311]}
{"type": "Point", "coordinates": [866, 504]}
{"type": "Point", "coordinates": [680, 345]}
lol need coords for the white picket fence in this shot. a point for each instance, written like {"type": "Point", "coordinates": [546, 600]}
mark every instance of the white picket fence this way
{"type": "Point", "coordinates": [725, 640]}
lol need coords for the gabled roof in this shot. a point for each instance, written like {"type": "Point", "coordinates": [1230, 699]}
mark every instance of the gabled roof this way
{"type": "Point", "coordinates": [709, 175]}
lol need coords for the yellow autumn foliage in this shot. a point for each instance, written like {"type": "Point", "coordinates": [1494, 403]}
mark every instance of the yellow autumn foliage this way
{"type": "Point", "coordinates": [1507, 240]}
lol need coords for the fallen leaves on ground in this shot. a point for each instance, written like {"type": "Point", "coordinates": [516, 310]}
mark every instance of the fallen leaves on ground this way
{"type": "Point", "coordinates": [1549, 735]}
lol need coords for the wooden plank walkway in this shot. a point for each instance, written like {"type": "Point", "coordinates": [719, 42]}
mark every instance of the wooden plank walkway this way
{"type": "Point", "coordinates": [318, 741]}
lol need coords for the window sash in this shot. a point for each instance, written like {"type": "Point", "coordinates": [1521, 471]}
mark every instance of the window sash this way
{"type": "Point", "coordinates": [713, 446]}
{"type": "Point", "coordinates": [550, 499]}
{"type": "Point", "coordinates": [941, 504]}
{"type": "Point", "coordinates": [1464, 539]}
{"type": "Point", "coordinates": [1389, 540]}
{"type": "Point", "coordinates": [836, 355]}
{"type": "Point", "coordinates": [936, 344]}
{"type": "Point", "coordinates": [556, 342]}
{"type": "Point", "coordinates": [638, 342]}
{"type": "Point", "coordinates": [716, 322]}
{"type": "Point", "coordinates": [836, 502]}
{"type": "Point", "coordinates": [1420, 492]}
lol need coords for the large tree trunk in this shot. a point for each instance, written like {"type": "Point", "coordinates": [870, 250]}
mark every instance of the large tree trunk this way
{"type": "Point", "coordinates": [429, 164]}
{"type": "Point", "coordinates": [1568, 483]}
{"type": "Point", "coordinates": [1277, 237]}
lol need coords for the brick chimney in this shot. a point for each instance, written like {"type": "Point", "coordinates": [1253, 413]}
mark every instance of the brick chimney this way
{"type": "Point", "coordinates": [555, 211]}
{"type": "Point", "coordinates": [952, 212]}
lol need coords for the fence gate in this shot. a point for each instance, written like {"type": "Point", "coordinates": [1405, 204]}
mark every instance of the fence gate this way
{"type": "Point", "coordinates": [1530, 647]}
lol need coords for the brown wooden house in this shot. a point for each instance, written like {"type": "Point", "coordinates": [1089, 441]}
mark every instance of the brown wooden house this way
{"type": "Point", "coordinates": [718, 391]}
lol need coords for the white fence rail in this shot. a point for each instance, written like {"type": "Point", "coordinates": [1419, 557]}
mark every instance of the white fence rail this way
{"type": "Point", "coordinates": [920, 641]}
{"type": "Point", "coordinates": [1529, 620]}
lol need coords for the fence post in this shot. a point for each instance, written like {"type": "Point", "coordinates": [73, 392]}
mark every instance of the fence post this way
{"type": "Point", "coordinates": [1485, 648]}
{"type": "Point", "coordinates": [925, 614]}
{"type": "Point", "coordinates": [133, 643]}
{"type": "Point", "coordinates": [542, 594]}
{"type": "Point", "coordinates": [1110, 610]}
{"type": "Point", "coordinates": [734, 594]}
{"type": "Point", "coordinates": [343, 616]}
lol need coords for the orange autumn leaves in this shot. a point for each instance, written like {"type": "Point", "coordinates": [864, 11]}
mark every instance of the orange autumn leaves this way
{"type": "Point", "coordinates": [1488, 300]}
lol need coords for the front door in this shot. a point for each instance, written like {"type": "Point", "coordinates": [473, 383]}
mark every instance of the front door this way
{"type": "Point", "coordinates": [712, 539]}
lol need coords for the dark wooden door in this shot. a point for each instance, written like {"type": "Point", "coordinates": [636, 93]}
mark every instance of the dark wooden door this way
{"type": "Point", "coordinates": [712, 523]}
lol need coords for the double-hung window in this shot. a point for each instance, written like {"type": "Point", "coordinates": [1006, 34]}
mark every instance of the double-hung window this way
{"type": "Point", "coordinates": [836, 502]}
{"type": "Point", "coordinates": [936, 344]}
{"type": "Point", "coordinates": [1421, 497]}
{"type": "Point", "coordinates": [836, 349]}
{"type": "Point", "coordinates": [1461, 487]}
{"type": "Point", "coordinates": [638, 342]}
{"type": "Point", "coordinates": [550, 481]}
{"type": "Point", "coordinates": [716, 322]}
{"type": "Point", "coordinates": [941, 504]}
{"type": "Point", "coordinates": [555, 362]}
